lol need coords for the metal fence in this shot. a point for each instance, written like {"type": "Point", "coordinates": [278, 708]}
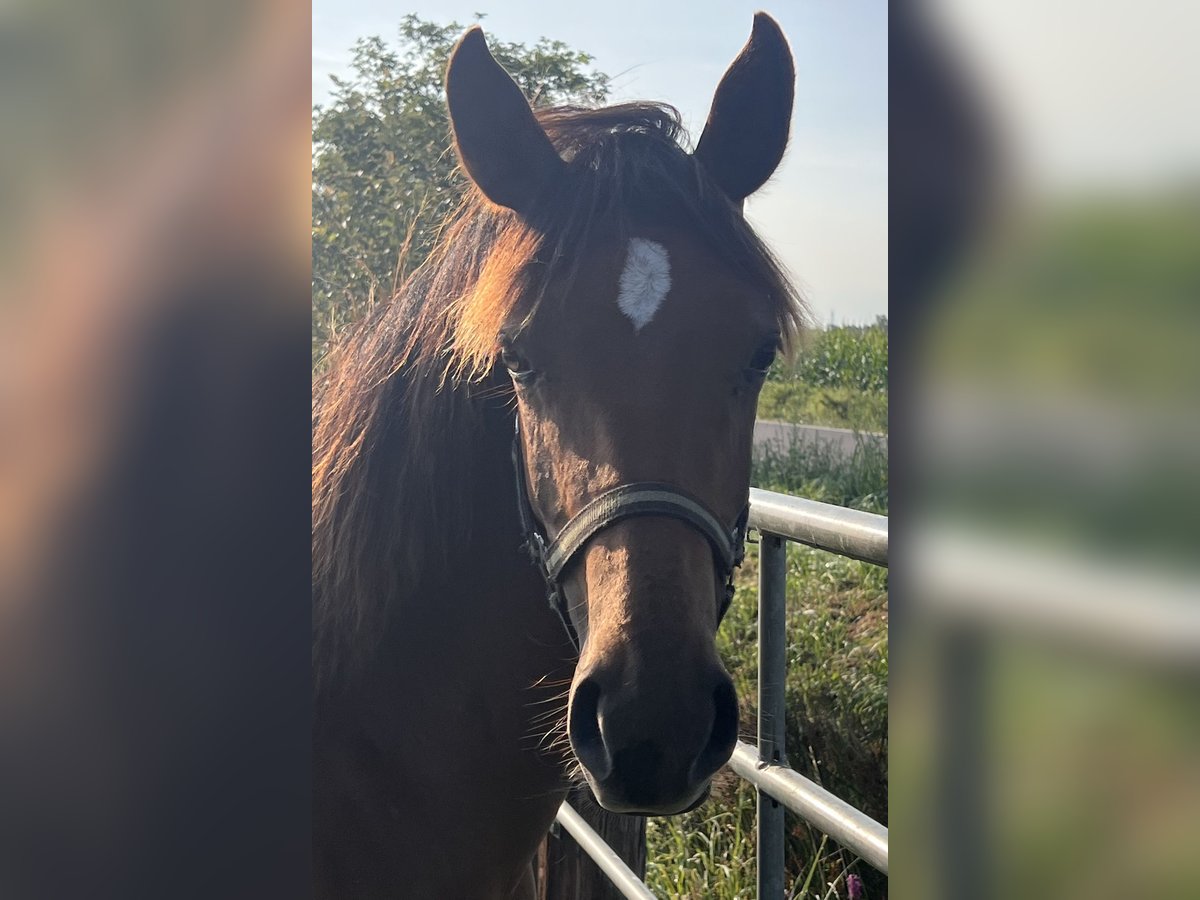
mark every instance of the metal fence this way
{"type": "Point", "coordinates": [779, 518]}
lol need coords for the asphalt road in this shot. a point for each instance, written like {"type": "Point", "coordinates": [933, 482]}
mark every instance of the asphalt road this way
{"type": "Point", "coordinates": [784, 434]}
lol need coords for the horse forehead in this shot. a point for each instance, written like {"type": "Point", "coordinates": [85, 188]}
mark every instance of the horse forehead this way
{"type": "Point", "coordinates": [653, 295]}
{"type": "Point", "coordinates": [666, 280]}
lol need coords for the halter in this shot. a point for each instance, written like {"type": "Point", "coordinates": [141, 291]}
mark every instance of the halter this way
{"type": "Point", "coordinates": [638, 498]}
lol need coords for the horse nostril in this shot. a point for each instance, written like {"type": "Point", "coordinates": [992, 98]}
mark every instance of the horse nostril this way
{"type": "Point", "coordinates": [723, 735]}
{"type": "Point", "coordinates": [584, 729]}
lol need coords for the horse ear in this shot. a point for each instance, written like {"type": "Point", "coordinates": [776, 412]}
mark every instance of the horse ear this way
{"type": "Point", "coordinates": [747, 129]}
{"type": "Point", "coordinates": [499, 142]}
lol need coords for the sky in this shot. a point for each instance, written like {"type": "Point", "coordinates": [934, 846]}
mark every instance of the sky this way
{"type": "Point", "coordinates": [825, 211]}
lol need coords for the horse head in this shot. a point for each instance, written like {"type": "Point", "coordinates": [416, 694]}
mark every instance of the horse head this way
{"type": "Point", "coordinates": [642, 319]}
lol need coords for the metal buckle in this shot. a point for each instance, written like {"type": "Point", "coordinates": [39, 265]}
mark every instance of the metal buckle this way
{"type": "Point", "coordinates": [537, 548]}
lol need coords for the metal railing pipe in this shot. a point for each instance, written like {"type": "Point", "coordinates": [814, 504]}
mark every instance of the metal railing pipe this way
{"type": "Point", "coordinates": [847, 532]}
{"type": "Point", "coordinates": [623, 877]}
{"type": "Point", "coordinates": [772, 683]}
{"type": "Point", "coordinates": [848, 826]}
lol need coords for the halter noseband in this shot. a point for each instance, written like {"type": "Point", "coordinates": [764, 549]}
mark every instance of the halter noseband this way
{"type": "Point", "coordinates": [638, 498]}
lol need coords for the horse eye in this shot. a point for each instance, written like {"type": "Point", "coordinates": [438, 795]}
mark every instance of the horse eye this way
{"type": "Point", "coordinates": [517, 365]}
{"type": "Point", "coordinates": [763, 357]}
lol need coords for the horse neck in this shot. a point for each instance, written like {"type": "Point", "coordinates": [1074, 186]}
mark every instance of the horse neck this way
{"type": "Point", "coordinates": [439, 494]}
{"type": "Point", "coordinates": [477, 589]}
{"type": "Point", "coordinates": [425, 506]}
{"type": "Point", "coordinates": [470, 493]}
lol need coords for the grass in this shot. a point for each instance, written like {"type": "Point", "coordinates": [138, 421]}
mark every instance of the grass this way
{"type": "Point", "coordinates": [836, 700]}
{"type": "Point", "coordinates": [819, 471]}
{"type": "Point", "coordinates": [838, 407]}
{"type": "Point", "coordinates": [839, 377]}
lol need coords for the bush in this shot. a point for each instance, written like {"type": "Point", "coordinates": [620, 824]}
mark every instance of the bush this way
{"type": "Point", "coordinates": [850, 356]}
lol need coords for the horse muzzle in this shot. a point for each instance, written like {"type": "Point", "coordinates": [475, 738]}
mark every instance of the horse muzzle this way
{"type": "Point", "coordinates": [652, 750]}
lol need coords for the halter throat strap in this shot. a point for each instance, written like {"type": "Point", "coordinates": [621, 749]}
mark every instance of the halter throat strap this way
{"type": "Point", "coordinates": [638, 498]}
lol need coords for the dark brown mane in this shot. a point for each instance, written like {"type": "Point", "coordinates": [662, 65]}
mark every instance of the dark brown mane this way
{"type": "Point", "coordinates": [399, 417]}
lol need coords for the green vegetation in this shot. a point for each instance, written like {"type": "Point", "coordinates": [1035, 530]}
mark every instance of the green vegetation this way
{"type": "Point", "coordinates": [839, 377]}
{"type": "Point", "coordinates": [836, 698]}
{"type": "Point", "coordinates": [795, 401]}
{"type": "Point", "coordinates": [820, 472]}
{"type": "Point", "coordinates": [1080, 329]}
{"type": "Point", "coordinates": [1094, 298]}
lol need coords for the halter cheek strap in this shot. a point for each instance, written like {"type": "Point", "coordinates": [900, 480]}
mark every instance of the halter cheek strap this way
{"type": "Point", "coordinates": [639, 498]}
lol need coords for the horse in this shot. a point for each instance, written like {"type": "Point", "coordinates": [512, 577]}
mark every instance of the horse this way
{"type": "Point", "coordinates": [558, 404]}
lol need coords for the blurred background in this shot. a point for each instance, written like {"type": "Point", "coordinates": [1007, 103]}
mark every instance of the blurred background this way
{"type": "Point", "coordinates": [154, 611]}
{"type": "Point", "coordinates": [1045, 283]}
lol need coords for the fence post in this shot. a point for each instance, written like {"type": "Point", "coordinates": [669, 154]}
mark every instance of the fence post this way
{"type": "Point", "coordinates": [772, 676]}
